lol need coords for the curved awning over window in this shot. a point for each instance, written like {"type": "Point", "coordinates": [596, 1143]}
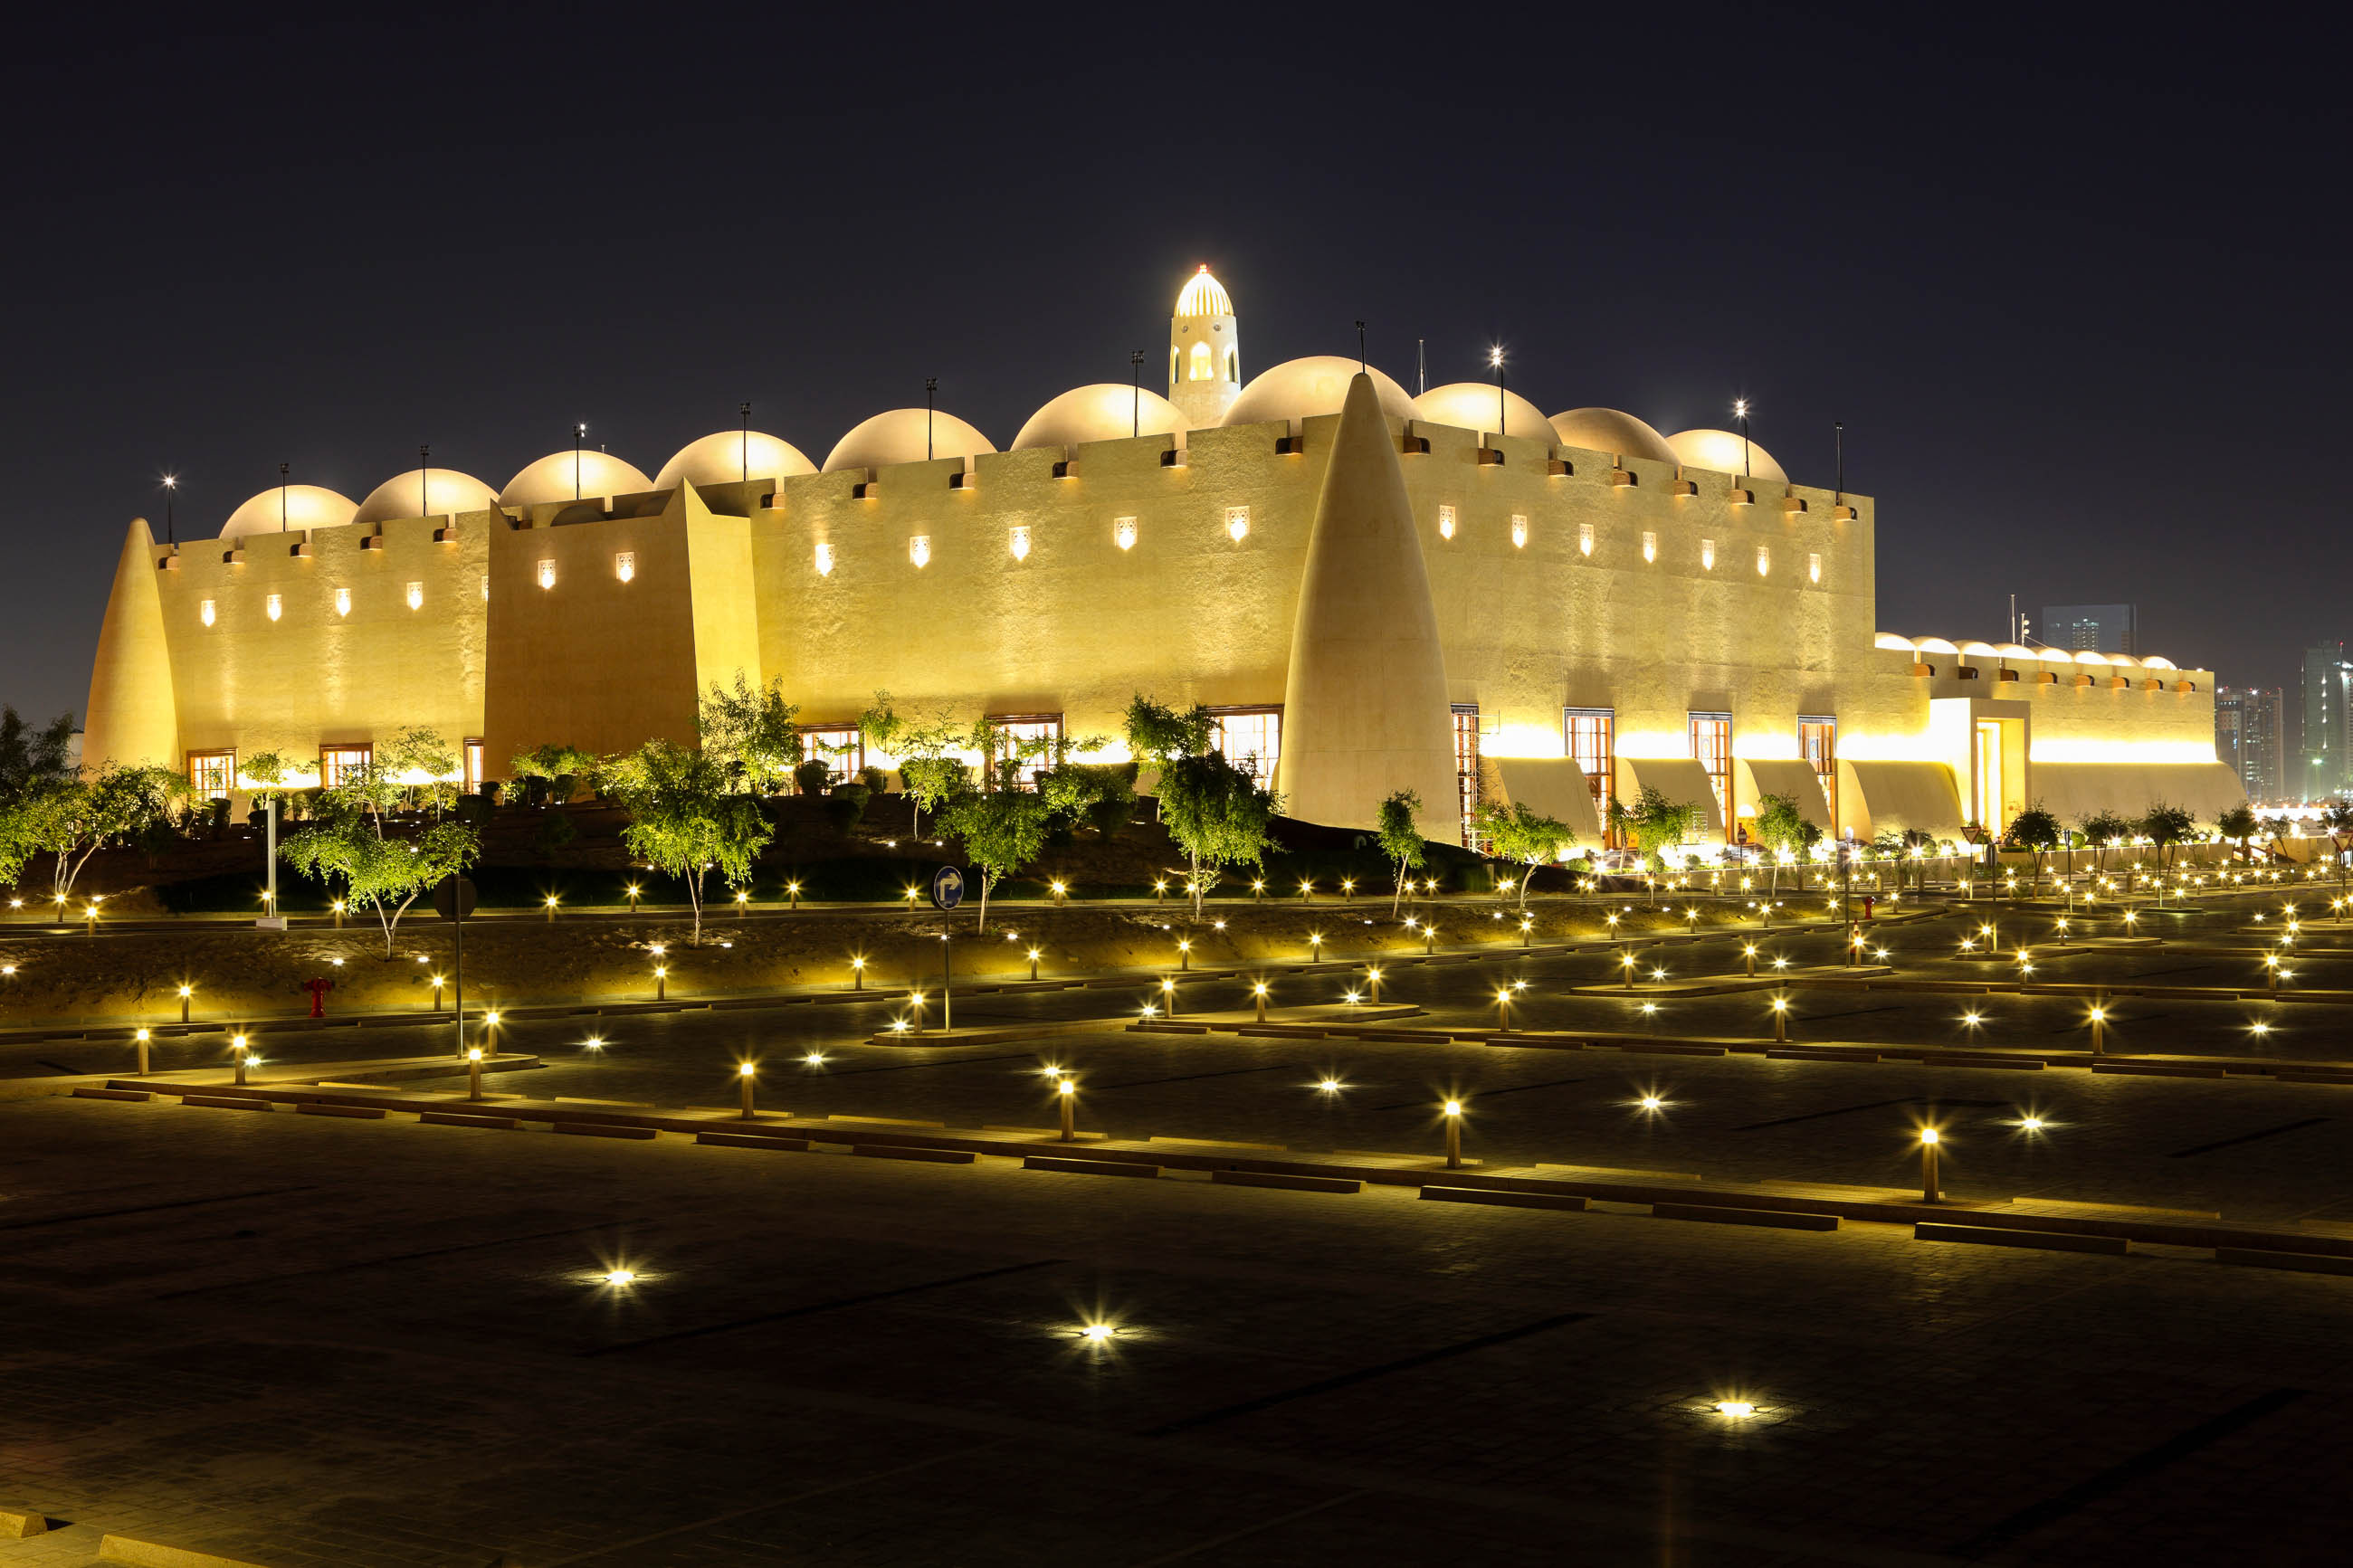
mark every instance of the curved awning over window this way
{"type": "Point", "coordinates": [1683, 781]}
{"type": "Point", "coordinates": [1551, 786]}
{"type": "Point", "coordinates": [1891, 797]}
{"type": "Point", "coordinates": [1793, 777]}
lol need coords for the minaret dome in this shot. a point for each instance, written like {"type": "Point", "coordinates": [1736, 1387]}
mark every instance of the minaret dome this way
{"type": "Point", "coordinates": [1205, 352]}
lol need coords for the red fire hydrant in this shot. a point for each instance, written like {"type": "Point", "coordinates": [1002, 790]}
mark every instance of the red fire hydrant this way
{"type": "Point", "coordinates": [317, 987]}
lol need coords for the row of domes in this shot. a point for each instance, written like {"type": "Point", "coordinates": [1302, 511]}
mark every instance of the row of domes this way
{"type": "Point", "coordinates": [1296, 389]}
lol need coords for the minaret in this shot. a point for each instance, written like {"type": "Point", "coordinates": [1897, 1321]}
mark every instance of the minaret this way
{"type": "Point", "coordinates": [133, 715]}
{"type": "Point", "coordinates": [1365, 711]}
{"type": "Point", "coordinates": [1205, 352]}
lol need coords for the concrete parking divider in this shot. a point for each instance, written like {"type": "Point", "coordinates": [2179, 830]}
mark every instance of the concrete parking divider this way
{"type": "Point", "coordinates": [463, 1119]}
{"type": "Point", "coordinates": [928, 1156]}
{"type": "Point", "coordinates": [2041, 1240]}
{"type": "Point", "coordinates": [2300, 1262]}
{"type": "Point", "coordinates": [605, 1129]}
{"type": "Point", "coordinates": [88, 1092]}
{"type": "Point", "coordinates": [1287, 1183]}
{"type": "Point", "coordinates": [355, 1113]}
{"type": "Point", "coordinates": [1089, 1167]}
{"type": "Point", "coordinates": [751, 1141]}
{"type": "Point", "coordinates": [225, 1102]}
{"type": "Point", "coordinates": [152, 1554]}
{"type": "Point", "coordinates": [1771, 1219]}
{"type": "Point", "coordinates": [19, 1524]}
{"type": "Point", "coordinates": [1505, 1199]}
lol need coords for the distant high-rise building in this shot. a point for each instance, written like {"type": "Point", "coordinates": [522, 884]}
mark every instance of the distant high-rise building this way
{"type": "Point", "coordinates": [2323, 765]}
{"type": "Point", "coordinates": [2247, 736]}
{"type": "Point", "coordinates": [2104, 629]}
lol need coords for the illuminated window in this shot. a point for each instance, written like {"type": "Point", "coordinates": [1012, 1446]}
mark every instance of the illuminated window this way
{"type": "Point", "coordinates": [1764, 559]}
{"type": "Point", "coordinates": [1585, 539]}
{"type": "Point", "coordinates": [1711, 745]}
{"type": "Point", "coordinates": [1649, 546]}
{"type": "Point", "coordinates": [205, 612]}
{"type": "Point", "coordinates": [825, 560]}
{"type": "Point", "coordinates": [1123, 533]}
{"type": "Point", "coordinates": [212, 773]}
{"type": "Point", "coordinates": [1466, 770]}
{"type": "Point", "coordinates": [342, 601]}
{"type": "Point", "coordinates": [1446, 522]}
{"type": "Point", "coordinates": [1707, 554]}
{"type": "Point", "coordinates": [1814, 568]}
{"type": "Point", "coordinates": [472, 763]}
{"type": "Point", "coordinates": [337, 764]}
{"type": "Point", "coordinates": [1233, 365]}
{"type": "Point", "coordinates": [486, 587]}
{"type": "Point", "coordinates": [1013, 730]}
{"type": "Point", "coordinates": [1249, 738]}
{"type": "Point", "coordinates": [1590, 736]}
{"type": "Point", "coordinates": [417, 596]}
{"type": "Point", "coordinates": [1018, 540]}
{"type": "Point", "coordinates": [841, 746]}
{"type": "Point", "coordinates": [547, 574]}
{"type": "Point", "coordinates": [1237, 524]}
{"type": "Point", "coordinates": [1204, 366]}
{"type": "Point", "coordinates": [273, 606]}
{"type": "Point", "coordinates": [1175, 365]}
{"type": "Point", "coordinates": [625, 565]}
{"type": "Point", "coordinates": [919, 549]}
{"type": "Point", "coordinates": [1818, 742]}
{"type": "Point", "coordinates": [1519, 531]}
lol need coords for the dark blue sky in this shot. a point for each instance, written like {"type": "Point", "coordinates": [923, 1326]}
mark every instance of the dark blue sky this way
{"type": "Point", "coordinates": [2076, 294]}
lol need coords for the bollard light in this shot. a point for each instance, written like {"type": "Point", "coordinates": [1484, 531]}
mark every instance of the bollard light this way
{"type": "Point", "coordinates": [1184, 953]}
{"type": "Point", "coordinates": [187, 992]}
{"type": "Point", "coordinates": [1781, 1019]}
{"type": "Point", "coordinates": [857, 971]}
{"type": "Point", "coordinates": [473, 1072]}
{"type": "Point", "coordinates": [551, 909]}
{"type": "Point", "coordinates": [1528, 930]}
{"type": "Point", "coordinates": [1258, 993]}
{"type": "Point", "coordinates": [1347, 890]}
{"type": "Point", "coordinates": [662, 982]}
{"type": "Point", "coordinates": [2099, 1030]}
{"type": "Point", "coordinates": [1628, 961]}
{"type": "Point", "coordinates": [1503, 1007]}
{"type": "Point", "coordinates": [143, 1037]}
{"type": "Point", "coordinates": [1929, 1141]}
{"type": "Point", "coordinates": [742, 901]}
{"type": "Point", "coordinates": [634, 891]}
{"type": "Point", "coordinates": [1258, 887]}
{"type": "Point", "coordinates": [1160, 890]}
{"type": "Point", "coordinates": [1067, 1091]}
{"type": "Point", "coordinates": [1033, 962]}
{"type": "Point", "coordinates": [1061, 893]}
{"type": "Point", "coordinates": [1168, 995]}
{"type": "Point", "coordinates": [1315, 947]}
{"type": "Point", "coordinates": [1373, 984]}
{"type": "Point", "coordinates": [237, 1047]}
{"type": "Point", "coordinates": [1453, 1108]}
{"type": "Point", "coordinates": [1429, 940]}
{"type": "Point", "coordinates": [1306, 888]}
{"type": "Point", "coordinates": [793, 895]}
{"type": "Point", "coordinates": [744, 1071]}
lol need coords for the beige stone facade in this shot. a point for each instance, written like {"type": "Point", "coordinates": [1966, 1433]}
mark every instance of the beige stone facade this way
{"type": "Point", "coordinates": [1708, 617]}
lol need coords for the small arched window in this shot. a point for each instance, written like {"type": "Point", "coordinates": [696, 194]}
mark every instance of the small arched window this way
{"type": "Point", "coordinates": [1204, 363]}
{"type": "Point", "coordinates": [1175, 365]}
{"type": "Point", "coordinates": [1233, 366]}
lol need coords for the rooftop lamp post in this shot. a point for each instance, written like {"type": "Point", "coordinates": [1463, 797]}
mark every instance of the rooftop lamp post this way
{"type": "Point", "coordinates": [744, 1073]}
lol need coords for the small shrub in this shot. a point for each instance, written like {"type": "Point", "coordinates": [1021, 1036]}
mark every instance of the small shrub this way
{"type": "Point", "coordinates": [811, 776]}
{"type": "Point", "coordinates": [846, 806]}
{"type": "Point", "coordinates": [876, 780]}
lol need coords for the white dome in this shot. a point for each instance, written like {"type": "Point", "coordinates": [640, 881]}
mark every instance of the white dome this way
{"type": "Point", "coordinates": [1472, 405]}
{"type": "Point", "coordinates": [1721, 452]}
{"type": "Point", "coordinates": [720, 457]}
{"type": "Point", "coordinates": [1204, 296]}
{"type": "Point", "coordinates": [1971, 648]}
{"type": "Point", "coordinates": [583, 475]}
{"type": "Point", "coordinates": [1607, 430]}
{"type": "Point", "coordinates": [1933, 645]}
{"type": "Point", "coordinates": [1104, 412]}
{"type": "Point", "coordinates": [1890, 640]}
{"type": "Point", "coordinates": [425, 493]}
{"type": "Point", "coordinates": [295, 506]}
{"type": "Point", "coordinates": [899, 436]}
{"type": "Point", "coordinates": [1304, 388]}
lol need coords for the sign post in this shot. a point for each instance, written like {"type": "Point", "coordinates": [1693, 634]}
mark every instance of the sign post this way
{"type": "Point", "coordinates": [453, 901]}
{"type": "Point", "coordinates": [947, 892]}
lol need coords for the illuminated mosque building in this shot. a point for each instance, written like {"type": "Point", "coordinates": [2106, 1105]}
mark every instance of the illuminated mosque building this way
{"type": "Point", "coordinates": [1451, 592]}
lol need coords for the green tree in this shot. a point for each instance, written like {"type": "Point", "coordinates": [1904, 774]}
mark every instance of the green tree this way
{"type": "Point", "coordinates": [684, 819]}
{"type": "Point", "coordinates": [880, 725]}
{"type": "Point", "coordinates": [1218, 814]}
{"type": "Point", "coordinates": [1780, 830]}
{"type": "Point", "coordinates": [2102, 829]}
{"type": "Point", "coordinates": [1401, 839]}
{"type": "Point", "coordinates": [2337, 818]}
{"type": "Point", "coordinates": [932, 773]}
{"type": "Point", "coordinates": [71, 819]}
{"type": "Point", "coordinates": [1003, 828]}
{"type": "Point", "coordinates": [346, 841]}
{"type": "Point", "coordinates": [2165, 825]}
{"type": "Point", "coordinates": [749, 731]}
{"type": "Point", "coordinates": [2240, 823]}
{"type": "Point", "coordinates": [2036, 828]}
{"type": "Point", "coordinates": [1654, 824]}
{"type": "Point", "coordinates": [31, 754]}
{"type": "Point", "coordinates": [1158, 735]}
{"type": "Point", "coordinates": [1518, 833]}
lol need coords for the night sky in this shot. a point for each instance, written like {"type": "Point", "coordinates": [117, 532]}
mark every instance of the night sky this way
{"type": "Point", "coordinates": [2076, 295]}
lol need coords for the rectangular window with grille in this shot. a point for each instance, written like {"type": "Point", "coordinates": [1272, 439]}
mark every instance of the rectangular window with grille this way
{"type": "Point", "coordinates": [1818, 742]}
{"type": "Point", "coordinates": [1466, 770]}
{"type": "Point", "coordinates": [1711, 745]}
{"type": "Point", "coordinates": [473, 766]}
{"type": "Point", "coordinates": [1590, 736]}
{"type": "Point", "coordinates": [338, 763]}
{"type": "Point", "coordinates": [841, 747]}
{"type": "Point", "coordinates": [1249, 738]}
{"type": "Point", "coordinates": [1017, 727]}
{"type": "Point", "coordinates": [213, 773]}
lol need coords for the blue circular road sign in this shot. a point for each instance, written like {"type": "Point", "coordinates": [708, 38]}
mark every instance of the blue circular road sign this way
{"type": "Point", "coordinates": [947, 888]}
